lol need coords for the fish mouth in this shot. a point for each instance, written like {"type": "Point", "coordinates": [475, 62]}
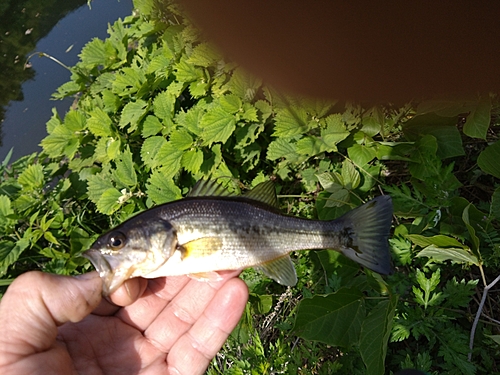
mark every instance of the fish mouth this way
{"type": "Point", "coordinates": [110, 279]}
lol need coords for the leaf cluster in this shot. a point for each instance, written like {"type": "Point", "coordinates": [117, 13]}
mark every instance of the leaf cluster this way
{"type": "Point", "coordinates": [157, 108]}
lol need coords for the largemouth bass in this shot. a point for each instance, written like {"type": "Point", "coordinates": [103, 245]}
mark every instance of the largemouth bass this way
{"type": "Point", "coordinates": [213, 230]}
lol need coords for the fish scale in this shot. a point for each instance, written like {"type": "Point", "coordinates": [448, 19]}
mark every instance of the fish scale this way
{"type": "Point", "coordinates": [199, 235]}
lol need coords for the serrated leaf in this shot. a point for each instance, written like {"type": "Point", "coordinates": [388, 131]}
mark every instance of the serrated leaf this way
{"type": "Point", "coordinates": [488, 159]}
{"type": "Point", "coordinates": [75, 121]}
{"type": "Point", "coordinates": [203, 54]}
{"type": "Point", "coordinates": [192, 160]}
{"type": "Point", "coordinates": [97, 52]}
{"type": "Point", "coordinates": [281, 148]}
{"type": "Point", "coordinates": [374, 336]}
{"type": "Point", "coordinates": [191, 119]}
{"type": "Point", "coordinates": [128, 81]}
{"type": "Point", "coordinates": [10, 252]}
{"type": "Point", "coordinates": [243, 84]}
{"type": "Point", "coordinates": [454, 254]}
{"type": "Point", "coordinates": [230, 103]}
{"type": "Point", "coordinates": [310, 146]}
{"type": "Point", "coordinates": [181, 140]}
{"type": "Point", "coordinates": [217, 125]}
{"type": "Point", "coordinates": [478, 120]}
{"type": "Point", "coordinates": [334, 319]}
{"type": "Point", "coordinates": [151, 126]}
{"type": "Point", "coordinates": [186, 72]}
{"type": "Point", "coordinates": [290, 122]}
{"type": "Point", "coordinates": [169, 158]}
{"type": "Point", "coordinates": [112, 148]}
{"type": "Point", "coordinates": [5, 206]}
{"type": "Point", "coordinates": [99, 123]}
{"type": "Point", "coordinates": [132, 114]}
{"type": "Point", "coordinates": [125, 173]}
{"type": "Point", "coordinates": [163, 105]}
{"type": "Point", "coordinates": [109, 201]}
{"type": "Point", "coordinates": [335, 131]}
{"type": "Point", "coordinates": [32, 177]}
{"type": "Point", "coordinates": [161, 189]}
{"type": "Point", "coordinates": [97, 185]}
{"type": "Point", "coordinates": [55, 143]}
{"type": "Point", "coordinates": [150, 149]}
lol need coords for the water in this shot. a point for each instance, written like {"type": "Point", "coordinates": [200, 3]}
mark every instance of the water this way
{"type": "Point", "coordinates": [24, 122]}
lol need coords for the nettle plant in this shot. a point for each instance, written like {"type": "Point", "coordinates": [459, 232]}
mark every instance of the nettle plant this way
{"type": "Point", "coordinates": [156, 109]}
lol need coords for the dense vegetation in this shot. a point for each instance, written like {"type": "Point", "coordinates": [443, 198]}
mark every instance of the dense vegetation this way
{"type": "Point", "coordinates": [159, 109]}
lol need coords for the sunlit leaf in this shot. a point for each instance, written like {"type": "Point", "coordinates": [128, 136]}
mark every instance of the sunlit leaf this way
{"type": "Point", "coordinates": [161, 189]}
{"type": "Point", "coordinates": [109, 201]}
{"type": "Point", "coordinates": [454, 254]}
{"type": "Point", "coordinates": [132, 114]}
{"type": "Point", "coordinates": [217, 125]}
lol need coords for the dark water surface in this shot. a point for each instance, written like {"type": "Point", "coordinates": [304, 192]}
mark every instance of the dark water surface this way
{"type": "Point", "coordinates": [24, 121]}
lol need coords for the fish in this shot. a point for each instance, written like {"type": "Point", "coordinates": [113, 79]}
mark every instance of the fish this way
{"type": "Point", "coordinates": [212, 229]}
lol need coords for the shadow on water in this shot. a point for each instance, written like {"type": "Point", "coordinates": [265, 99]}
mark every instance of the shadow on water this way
{"type": "Point", "coordinates": [59, 28]}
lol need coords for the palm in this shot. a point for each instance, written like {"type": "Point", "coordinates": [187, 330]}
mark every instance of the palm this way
{"type": "Point", "coordinates": [175, 327]}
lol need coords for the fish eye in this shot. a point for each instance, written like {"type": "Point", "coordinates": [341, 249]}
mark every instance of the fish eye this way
{"type": "Point", "coordinates": [116, 240]}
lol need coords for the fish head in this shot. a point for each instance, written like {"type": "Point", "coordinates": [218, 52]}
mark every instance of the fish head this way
{"type": "Point", "coordinates": [134, 248]}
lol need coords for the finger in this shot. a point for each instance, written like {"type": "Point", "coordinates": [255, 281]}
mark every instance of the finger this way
{"type": "Point", "coordinates": [37, 303]}
{"type": "Point", "coordinates": [156, 297]}
{"type": "Point", "coordinates": [125, 295]}
{"type": "Point", "coordinates": [192, 353]}
{"type": "Point", "coordinates": [183, 311]}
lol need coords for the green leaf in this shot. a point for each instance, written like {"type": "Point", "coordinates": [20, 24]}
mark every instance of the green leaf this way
{"type": "Point", "coordinates": [454, 254]}
{"type": "Point", "coordinates": [151, 126]}
{"type": "Point", "coordinates": [32, 177]}
{"type": "Point", "coordinates": [97, 185]}
{"type": "Point", "coordinates": [444, 129]}
{"type": "Point", "coordinates": [125, 172]}
{"type": "Point", "coordinates": [186, 72]}
{"type": "Point", "coordinates": [310, 146]}
{"type": "Point", "coordinates": [203, 54]}
{"type": "Point", "coordinates": [192, 160]}
{"type": "Point", "coordinates": [132, 114]}
{"type": "Point", "coordinates": [334, 319]}
{"type": "Point", "coordinates": [5, 207]}
{"type": "Point", "coordinates": [75, 121]}
{"type": "Point", "coordinates": [472, 231]}
{"type": "Point", "coordinates": [281, 148]}
{"type": "Point", "coordinates": [438, 241]}
{"type": "Point", "coordinates": [478, 120]}
{"type": "Point", "coordinates": [230, 103]}
{"type": "Point", "coordinates": [163, 106]}
{"type": "Point", "coordinates": [217, 125]}
{"type": "Point", "coordinates": [150, 149]}
{"type": "Point", "coordinates": [350, 176]}
{"type": "Point", "coordinates": [488, 159]}
{"type": "Point", "coordinates": [109, 201]}
{"type": "Point", "coordinates": [99, 123]}
{"type": "Point", "coordinates": [10, 252]}
{"type": "Point", "coordinates": [290, 122]}
{"type": "Point", "coordinates": [361, 154]}
{"type": "Point", "coordinates": [181, 140]}
{"type": "Point", "coordinates": [55, 143]}
{"type": "Point", "coordinates": [97, 52]}
{"type": "Point", "coordinates": [335, 131]}
{"type": "Point", "coordinates": [128, 81]}
{"type": "Point", "coordinates": [374, 336]}
{"type": "Point", "coordinates": [170, 158]}
{"type": "Point", "coordinates": [161, 189]}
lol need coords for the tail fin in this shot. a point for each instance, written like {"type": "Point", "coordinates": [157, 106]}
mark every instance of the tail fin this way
{"type": "Point", "coordinates": [370, 225]}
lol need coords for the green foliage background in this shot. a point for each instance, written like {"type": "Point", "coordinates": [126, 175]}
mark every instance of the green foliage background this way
{"type": "Point", "coordinates": [157, 109]}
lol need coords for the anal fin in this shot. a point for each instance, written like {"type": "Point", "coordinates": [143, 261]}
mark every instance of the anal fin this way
{"type": "Point", "coordinates": [280, 270]}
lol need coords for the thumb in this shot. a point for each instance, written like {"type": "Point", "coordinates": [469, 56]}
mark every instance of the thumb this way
{"type": "Point", "coordinates": [37, 303]}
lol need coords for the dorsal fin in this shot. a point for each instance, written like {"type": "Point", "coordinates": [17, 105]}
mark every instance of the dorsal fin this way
{"type": "Point", "coordinates": [263, 192]}
{"type": "Point", "coordinates": [209, 188]}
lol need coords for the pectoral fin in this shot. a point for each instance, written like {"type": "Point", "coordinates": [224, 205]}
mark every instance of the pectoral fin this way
{"type": "Point", "coordinates": [201, 247]}
{"type": "Point", "coordinates": [281, 270]}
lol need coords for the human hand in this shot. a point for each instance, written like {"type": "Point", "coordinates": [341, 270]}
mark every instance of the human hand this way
{"type": "Point", "coordinates": [53, 324]}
